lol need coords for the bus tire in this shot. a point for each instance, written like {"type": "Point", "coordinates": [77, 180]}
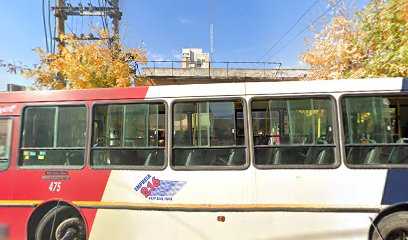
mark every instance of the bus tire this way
{"type": "Point", "coordinates": [47, 227]}
{"type": "Point", "coordinates": [393, 226]}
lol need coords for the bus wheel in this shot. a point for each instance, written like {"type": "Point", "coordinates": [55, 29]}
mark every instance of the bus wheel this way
{"type": "Point", "coordinates": [71, 228]}
{"type": "Point", "coordinates": [61, 223]}
{"type": "Point", "coordinates": [392, 227]}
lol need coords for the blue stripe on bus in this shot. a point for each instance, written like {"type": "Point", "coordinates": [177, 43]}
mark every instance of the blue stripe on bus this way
{"type": "Point", "coordinates": [405, 84]}
{"type": "Point", "coordinates": [395, 189]}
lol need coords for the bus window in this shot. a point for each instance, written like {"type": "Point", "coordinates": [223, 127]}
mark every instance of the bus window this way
{"type": "Point", "coordinates": [54, 136]}
{"type": "Point", "coordinates": [128, 135]}
{"type": "Point", "coordinates": [5, 142]}
{"type": "Point", "coordinates": [376, 130]}
{"type": "Point", "coordinates": [293, 132]}
{"type": "Point", "coordinates": [208, 134]}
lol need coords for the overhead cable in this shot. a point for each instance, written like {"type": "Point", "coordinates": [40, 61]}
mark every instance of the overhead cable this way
{"type": "Point", "coordinates": [317, 19]}
{"type": "Point", "coordinates": [45, 25]}
{"type": "Point", "coordinates": [49, 25]}
{"type": "Point", "coordinates": [290, 29]}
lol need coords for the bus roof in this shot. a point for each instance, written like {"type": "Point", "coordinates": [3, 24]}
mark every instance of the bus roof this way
{"type": "Point", "coordinates": [204, 90]}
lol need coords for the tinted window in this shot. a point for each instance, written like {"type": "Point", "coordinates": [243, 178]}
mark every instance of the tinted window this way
{"type": "Point", "coordinates": [376, 130]}
{"type": "Point", "coordinates": [54, 135]}
{"type": "Point", "coordinates": [129, 135]}
{"type": "Point", "coordinates": [5, 142]}
{"type": "Point", "coordinates": [293, 132]}
{"type": "Point", "coordinates": [208, 133]}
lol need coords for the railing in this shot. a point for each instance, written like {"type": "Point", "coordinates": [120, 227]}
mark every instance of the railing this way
{"type": "Point", "coordinates": [212, 69]}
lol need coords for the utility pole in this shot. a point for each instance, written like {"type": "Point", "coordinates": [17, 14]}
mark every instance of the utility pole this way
{"type": "Point", "coordinates": [116, 15]}
{"type": "Point", "coordinates": [60, 17]}
{"type": "Point", "coordinates": [63, 10]}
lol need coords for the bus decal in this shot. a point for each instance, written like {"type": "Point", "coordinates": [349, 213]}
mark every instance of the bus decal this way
{"type": "Point", "coordinates": [55, 187]}
{"type": "Point", "coordinates": [7, 109]}
{"type": "Point", "coordinates": [393, 181]}
{"type": "Point", "coordinates": [144, 180]}
{"type": "Point", "coordinates": [55, 175]}
{"type": "Point", "coordinates": [167, 190]}
{"type": "Point", "coordinates": [156, 189]}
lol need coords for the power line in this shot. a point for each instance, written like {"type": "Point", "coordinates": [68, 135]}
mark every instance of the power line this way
{"type": "Point", "coordinates": [66, 24]}
{"type": "Point", "coordinates": [102, 18]}
{"type": "Point", "coordinates": [82, 19]}
{"type": "Point", "coordinates": [45, 25]}
{"type": "Point", "coordinates": [105, 16]}
{"type": "Point", "coordinates": [290, 29]}
{"type": "Point", "coordinates": [317, 19]}
{"type": "Point", "coordinates": [250, 19]}
{"type": "Point", "coordinates": [72, 25]}
{"type": "Point", "coordinates": [49, 24]}
{"type": "Point", "coordinates": [53, 46]}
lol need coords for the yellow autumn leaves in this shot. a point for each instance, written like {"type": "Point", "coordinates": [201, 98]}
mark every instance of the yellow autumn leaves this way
{"type": "Point", "coordinates": [88, 63]}
{"type": "Point", "coordinates": [372, 44]}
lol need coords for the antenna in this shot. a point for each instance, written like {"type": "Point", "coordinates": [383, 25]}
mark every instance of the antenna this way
{"type": "Point", "coordinates": [211, 30]}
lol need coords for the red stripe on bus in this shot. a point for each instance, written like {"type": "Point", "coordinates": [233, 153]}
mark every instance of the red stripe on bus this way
{"type": "Point", "coordinates": [74, 95]}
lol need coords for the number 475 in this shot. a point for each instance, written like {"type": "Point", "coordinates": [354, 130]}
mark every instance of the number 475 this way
{"type": "Point", "coordinates": [55, 187]}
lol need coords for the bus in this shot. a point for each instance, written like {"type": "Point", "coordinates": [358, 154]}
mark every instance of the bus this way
{"type": "Point", "coordinates": [259, 160]}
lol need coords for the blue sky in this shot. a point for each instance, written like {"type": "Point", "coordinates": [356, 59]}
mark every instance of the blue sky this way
{"type": "Point", "coordinates": [243, 30]}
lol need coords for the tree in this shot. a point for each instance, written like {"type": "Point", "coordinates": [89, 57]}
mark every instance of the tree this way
{"type": "Point", "coordinates": [88, 63]}
{"type": "Point", "coordinates": [384, 39]}
{"type": "Point", "coordinates": [334, 50]}
{"type": "Point", "coordinates": [372, 44]}
{"type": "Point", "coordinates": [12, 68]}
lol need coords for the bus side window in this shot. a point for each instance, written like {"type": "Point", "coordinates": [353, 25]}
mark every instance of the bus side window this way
{"type": "Point", "coordinates": [293, 132]}
{"type": "Point", "coordinates": [54, 136]}
{"type": "Point", "coordinates": [128, 135]}
{"type": "Point", "coordinates": [375, 130]}
{"type": "Point", "coordinates": [5, 142]}
{"type": "Point", "coordinates": [208, 134]}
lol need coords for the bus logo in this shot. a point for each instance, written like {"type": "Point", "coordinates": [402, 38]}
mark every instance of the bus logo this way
{"type": "Point", "coordinates": [7, 109]}
{"type": "Point", "coordinates": [156, 189]}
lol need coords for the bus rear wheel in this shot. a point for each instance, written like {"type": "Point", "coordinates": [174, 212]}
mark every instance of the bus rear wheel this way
{"type": "Point", "coordinates": [392, 227]}
{"type": "Point", "coordinates": [61, 223]}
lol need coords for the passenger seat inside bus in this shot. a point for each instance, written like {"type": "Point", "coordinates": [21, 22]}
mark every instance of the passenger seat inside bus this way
{"type": "Point", "coordinates": [312, 155]}
{"type": "Point", "coordinates": [265, 156]}
{"type": "Point", "coordinates": [287, 154]}
{"type": "Point", "coordinates": [193, 159]}
{"type": "Point", "coordinates": [399, 154]}
{"type": "Point", "coordinates": [374, 156]}
{"type": "Point", "coordinates": [236, 157]}
{"type": "Point", "coordinates": [154, 158]}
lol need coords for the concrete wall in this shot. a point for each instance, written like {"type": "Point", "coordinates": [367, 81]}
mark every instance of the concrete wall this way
{"type": "Point", "coordinates": [223, 73]}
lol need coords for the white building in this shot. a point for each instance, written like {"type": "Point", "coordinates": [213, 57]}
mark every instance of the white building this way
{"type": "Point", "coordinates": [195, 58]}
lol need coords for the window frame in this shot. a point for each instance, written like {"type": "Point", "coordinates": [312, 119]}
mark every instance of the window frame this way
{"type": "Point", "coordinates": [335, 121]}
{"type": "Point", "coordinates": [209, 168]}
{"type": "Point", "coordinates": [10, 141]}
{"type": "Point", "coordinates": [128, 167]}
{"type": "Point", "coordinates": [342, 134]}
{"type": "Point", "coordinates": [57, 167]}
